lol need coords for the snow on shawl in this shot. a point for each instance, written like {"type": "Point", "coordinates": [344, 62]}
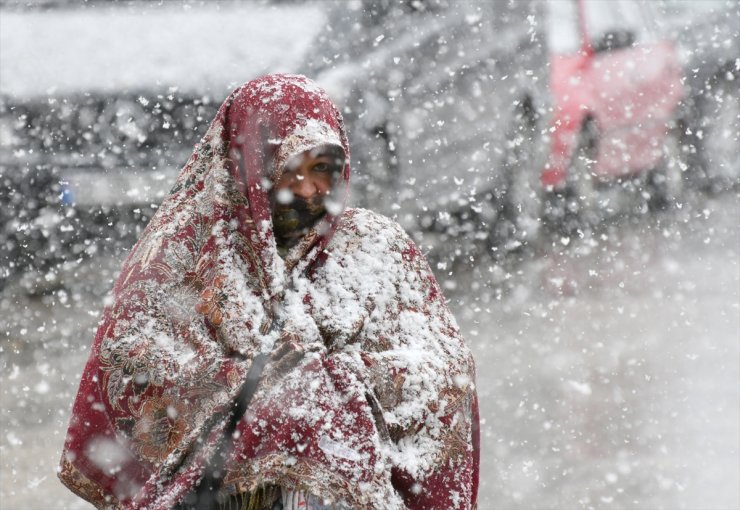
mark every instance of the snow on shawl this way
{"type": "Point", "coordinates": [381, 413]}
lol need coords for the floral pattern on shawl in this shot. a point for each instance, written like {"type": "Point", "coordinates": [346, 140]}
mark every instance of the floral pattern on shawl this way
{"type": "Point", "coordinates": [381, 412]}
{"type": "Point", "coordinates": [395, 360]}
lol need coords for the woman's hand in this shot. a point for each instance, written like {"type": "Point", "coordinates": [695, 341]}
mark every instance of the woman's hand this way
{"type": "Point", "coordinates": [286, 356]}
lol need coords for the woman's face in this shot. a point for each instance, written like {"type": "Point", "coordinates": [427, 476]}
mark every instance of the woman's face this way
{"type": "Point", "coordinates": [298, 197]}
{"type": "Point", "coordinates": [307, 175]}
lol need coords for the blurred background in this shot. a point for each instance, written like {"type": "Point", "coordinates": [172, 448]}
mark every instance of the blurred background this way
{"type": "Point", "coordinates": [571, 168]}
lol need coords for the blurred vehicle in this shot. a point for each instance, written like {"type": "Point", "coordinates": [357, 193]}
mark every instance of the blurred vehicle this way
{"type": "Point", "coordinates": [35, 222]}
{"type": "Point", "coordinates": [84, 171]}
{"type": "Point", "coordinates": [445, 104]}
{"type": "Point", "coordinates": [617, 86]}
{"type": "Point", "coordinates": [707, 33]}
{"type": "Point", "coordinates": [91, 141]}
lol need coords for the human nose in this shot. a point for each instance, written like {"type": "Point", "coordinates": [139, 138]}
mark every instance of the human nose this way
{"type": "Point", "coordinates": [304, 186]}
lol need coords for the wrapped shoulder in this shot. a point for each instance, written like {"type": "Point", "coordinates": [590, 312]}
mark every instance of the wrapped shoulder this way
{"type": "Point", "coordinates": [373, 254]}
{"type": "Point", "coordinates": [364, 227]}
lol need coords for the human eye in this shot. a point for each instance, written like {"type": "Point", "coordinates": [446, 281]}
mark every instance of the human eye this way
{"type": "Point", "coordinates": [322, 167]}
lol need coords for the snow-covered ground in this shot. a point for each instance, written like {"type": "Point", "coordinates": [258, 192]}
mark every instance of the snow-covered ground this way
{"type": "Point", "coordinates": [608, 374]}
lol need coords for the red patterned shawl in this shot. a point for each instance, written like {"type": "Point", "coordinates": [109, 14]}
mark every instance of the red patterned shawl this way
{"type": "Point", "coordinates": [380, 413]}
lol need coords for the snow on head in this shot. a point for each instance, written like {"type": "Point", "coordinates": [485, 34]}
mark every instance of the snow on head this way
{"type": "Point", "coordinates": [307, 135]}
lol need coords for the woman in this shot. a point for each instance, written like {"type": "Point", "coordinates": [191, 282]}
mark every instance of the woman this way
{"type": "Point", "coordinates": [368, 400]}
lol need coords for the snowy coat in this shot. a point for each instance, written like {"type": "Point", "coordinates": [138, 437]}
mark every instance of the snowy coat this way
{"type": "Point", "coordinates": [380, 413]}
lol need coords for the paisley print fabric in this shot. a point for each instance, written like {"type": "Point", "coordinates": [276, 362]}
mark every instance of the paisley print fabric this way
{"type": "Point", "coordinates": [380, 413]}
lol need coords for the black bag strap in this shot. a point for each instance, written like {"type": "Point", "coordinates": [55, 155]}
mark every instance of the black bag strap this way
{"type": "Point", "coordinates": [206, 493]}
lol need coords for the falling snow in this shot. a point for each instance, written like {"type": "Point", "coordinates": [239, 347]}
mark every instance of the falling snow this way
{"type": "Point", "coordinates": [586, 236]}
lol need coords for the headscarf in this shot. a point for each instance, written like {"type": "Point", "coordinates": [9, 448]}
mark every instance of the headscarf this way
{"type": "Point", "coordinates": [381, 413]}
